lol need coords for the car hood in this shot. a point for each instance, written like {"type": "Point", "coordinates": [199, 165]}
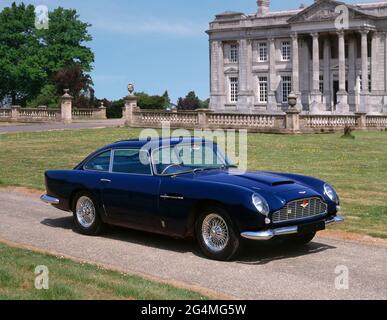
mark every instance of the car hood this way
{"type": "Point", "coordinates": [264, 183]}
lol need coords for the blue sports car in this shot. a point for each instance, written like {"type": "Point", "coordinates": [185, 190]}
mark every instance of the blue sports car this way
{"type": "Point", "coordinates": [187, 187]}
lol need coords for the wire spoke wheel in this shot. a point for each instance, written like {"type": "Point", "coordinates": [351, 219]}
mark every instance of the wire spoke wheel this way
{"type": "Point", "coordinates": [215, 232]}
{"type": "Point", "coordinates": [85, 212]}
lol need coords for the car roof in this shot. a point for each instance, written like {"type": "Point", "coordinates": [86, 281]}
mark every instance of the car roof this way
{"type": "Point", "coordinates": [154, 143]}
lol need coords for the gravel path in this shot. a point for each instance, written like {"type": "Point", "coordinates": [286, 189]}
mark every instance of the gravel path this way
{"type": "Point", "coordinates": [264, 271]}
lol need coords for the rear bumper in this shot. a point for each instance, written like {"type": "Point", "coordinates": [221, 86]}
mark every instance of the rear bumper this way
{"type": "Point", "coordinates": [269, 234]}
{"type": "Point", "coordinates": [50, 200]}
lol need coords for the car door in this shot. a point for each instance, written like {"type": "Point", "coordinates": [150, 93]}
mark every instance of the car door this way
{"type": "Point", "coordinates": [130, 194]}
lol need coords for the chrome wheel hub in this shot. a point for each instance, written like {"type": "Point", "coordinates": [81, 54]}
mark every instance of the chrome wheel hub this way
{"type": "Point", "coordinates": [85, 211]}
{"type": "Point", "coordinates": [215, 232]}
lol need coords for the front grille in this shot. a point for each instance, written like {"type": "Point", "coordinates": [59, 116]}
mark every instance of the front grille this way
{"type": "Point", "coordinates": [300, 209]}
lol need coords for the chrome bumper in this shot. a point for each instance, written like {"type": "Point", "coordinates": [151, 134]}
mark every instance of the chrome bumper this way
{"type": "Point", "coordinates": [50, 200]}
{"type": "Point", "coordinates": [269, 234]}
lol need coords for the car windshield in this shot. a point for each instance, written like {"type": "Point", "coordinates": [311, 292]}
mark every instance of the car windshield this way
{"type": "Point", "coordinates": [189, 157]}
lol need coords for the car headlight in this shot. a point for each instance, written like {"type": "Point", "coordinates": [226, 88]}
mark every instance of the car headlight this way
{"type": "Point", "coordinates": [261, 204]}
{"type": "Point", "coordinates": [331, 193]}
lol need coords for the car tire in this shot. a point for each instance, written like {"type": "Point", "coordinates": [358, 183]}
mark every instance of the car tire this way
{"type": "Point", "coordinates": [302, 239]}
{"type": "Point", "coordinates": [86, 215]}
{"type": "Point", "coordinates": [216, 234]}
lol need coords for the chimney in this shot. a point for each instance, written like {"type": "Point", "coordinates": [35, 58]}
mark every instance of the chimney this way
{"type": "Point", "coordinates": [263, 7]}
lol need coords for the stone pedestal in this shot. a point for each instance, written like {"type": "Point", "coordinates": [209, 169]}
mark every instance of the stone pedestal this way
{"type": "Point", "coordinates": [14, 112]}
{"type": "Point", "coordinates": [66, 107]}
{"type": "Point", "coordinates": [342, 102]}
{"type": "Point", "coordinates": [100, 113]}
{"type": "Point", "coordinates": [361, 120]}
{"type": "Point", "coordinates": [293, 120]}
{"type": "Point", "coordinates": [203, 118]}
{"type": "Point", "coordinates": [316, 105]}
{"type": "Point", "coordinates": [129, 108]}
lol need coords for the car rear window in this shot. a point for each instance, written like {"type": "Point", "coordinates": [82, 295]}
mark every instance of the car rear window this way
{"type": "Point", "coordinates": [100, 162]}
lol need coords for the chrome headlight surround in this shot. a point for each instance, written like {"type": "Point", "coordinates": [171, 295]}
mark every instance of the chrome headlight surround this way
{"type": "Point", "coordinates": [260, 204]}
{"type": "Point", "coordinates": [331, 193]}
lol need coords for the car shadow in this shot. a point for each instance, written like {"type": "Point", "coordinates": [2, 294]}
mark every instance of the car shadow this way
{"type": "Point", "coordinates": [253, 253]}
{"type": "Point", "coordinates": [260, 253]}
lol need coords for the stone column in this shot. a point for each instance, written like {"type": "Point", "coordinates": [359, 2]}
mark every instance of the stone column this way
{"type": "Point", "coordinates": [342, 95]}
{"type": "Point", "coordinates": [246, 95]}
{"type": "Point", "coordinates": [385, 74]}
{"type": "Point", "coordinates": [218, 92]}
{"type": "Point", "coordinates": [296, 70]}
{"type": "Point", "coordinates": [272, 99]}
{"type": "Point", "coordinates": [315, 106]}
{"type": "Point", "coordinates": [364, 71]}
{"type": "Point", "coordinates": [129, 108]}
{"type": "Point", "coordinates": [327, 73]}
{"type": "Point", "coordinates": [352, 72]}
{"type": "Point", "coordinates": [66, 107]}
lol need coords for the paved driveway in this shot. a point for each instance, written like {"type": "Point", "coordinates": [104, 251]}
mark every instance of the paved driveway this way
{"type": "Point", "coordinates": [32, 127]}
{"type": "Point", "coordinates": [262, 272]}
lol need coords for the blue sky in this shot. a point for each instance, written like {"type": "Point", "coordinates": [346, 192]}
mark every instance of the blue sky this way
{"type": "Point", "coordinates": [157, 44]}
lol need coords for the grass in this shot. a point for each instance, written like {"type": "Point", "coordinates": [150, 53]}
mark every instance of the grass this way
{"type": "Point", "coordinates": [70, 280]}
{"type": "Point", "coordinates": [357, 168]}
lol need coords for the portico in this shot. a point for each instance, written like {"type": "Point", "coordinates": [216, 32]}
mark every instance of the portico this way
{"type": "Point", "coordinates": [333, 68]}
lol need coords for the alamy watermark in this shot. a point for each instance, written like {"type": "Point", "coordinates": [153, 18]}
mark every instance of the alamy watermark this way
{"type": "Point", "coordinates": [342, 21]}
{"type": "Point", "coordinates": [342, 279]}
{"type": "Point", "coordinates": [233, 142]}
{"type": "Point", "coordinates": [41, 279]}
{"type": "Point", "coordinates": [42, 20]}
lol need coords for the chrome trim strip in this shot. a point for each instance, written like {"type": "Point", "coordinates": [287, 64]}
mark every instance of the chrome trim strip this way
{"type": "Point", "coordinates": [50, 200]}
{"type": "Point", "coordinates": [269, 234]}
{"type": "Point", "coordinates": [165, 196]}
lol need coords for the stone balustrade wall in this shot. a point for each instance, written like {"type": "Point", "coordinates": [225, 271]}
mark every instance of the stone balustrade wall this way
{"type": "Point", "coordinates": [290, 122]}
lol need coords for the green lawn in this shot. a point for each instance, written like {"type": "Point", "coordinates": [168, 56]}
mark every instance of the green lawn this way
{"type": "Point", "coordinates": [71, 280]}
{"type": "Point", "coordinates": [356, 168]}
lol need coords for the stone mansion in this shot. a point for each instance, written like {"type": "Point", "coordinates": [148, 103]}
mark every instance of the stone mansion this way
{"type": "Point", "coordinates": [333, 56]}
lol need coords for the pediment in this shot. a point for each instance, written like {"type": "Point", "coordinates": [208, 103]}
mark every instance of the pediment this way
{"type": "Point", "coordinates": [325, 10]}
{"type": "Point", "coordinates": [231, 70]}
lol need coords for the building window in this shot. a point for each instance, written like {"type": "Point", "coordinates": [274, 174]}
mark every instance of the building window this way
{"type": "Point", "coordinates": [234, 88]}
{"type": "Point", "coordinates": [262, 89]}
{"type": "Point", "coordinates": [234, 53]}
{"type": "Point", "coordinates": [262, 52]}
{"type": "Point", "coordinates": [285, 51]}
{"type": "Point", "coordinates": [286, 88]}
{"type": "Point", "coordinates": [321, 84]}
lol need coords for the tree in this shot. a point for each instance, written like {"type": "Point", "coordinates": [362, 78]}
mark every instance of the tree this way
{"type": "Point", "coordinates": [22, 63]}
{"type": "Point", "coordinates": [146, 101]}
{"type": "Point", "coordinates": [167, 103]}
{"type": "Point", "coordinates": [29, 57]}
{"type": "Point", "coordinates": [73, 78]}
{"type": "Point", "coordinates": [47, 97]}
{"type": "Point", "coordinates": [64, 41]}
{"type": "Point", "coordinates": [190, 102]}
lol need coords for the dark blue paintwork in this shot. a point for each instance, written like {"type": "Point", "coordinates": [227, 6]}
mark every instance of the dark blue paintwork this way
{"type": "Point", "coordinates": [134, 201]}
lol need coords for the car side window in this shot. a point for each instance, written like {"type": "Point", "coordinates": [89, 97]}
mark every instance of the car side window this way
{"type": "Point", "coordinates": [131, 162]}
{"type": "Point", "coordinates": [100, 162]}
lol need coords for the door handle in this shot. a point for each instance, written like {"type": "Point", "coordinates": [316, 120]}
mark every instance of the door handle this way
{"type": "Point", "coordinates": [105, 180]}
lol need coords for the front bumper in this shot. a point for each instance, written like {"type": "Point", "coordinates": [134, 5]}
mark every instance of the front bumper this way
{"type": "Point", "coordinates": [269, 234]}
{"type": "Point", "coordinates": [50, 200]}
